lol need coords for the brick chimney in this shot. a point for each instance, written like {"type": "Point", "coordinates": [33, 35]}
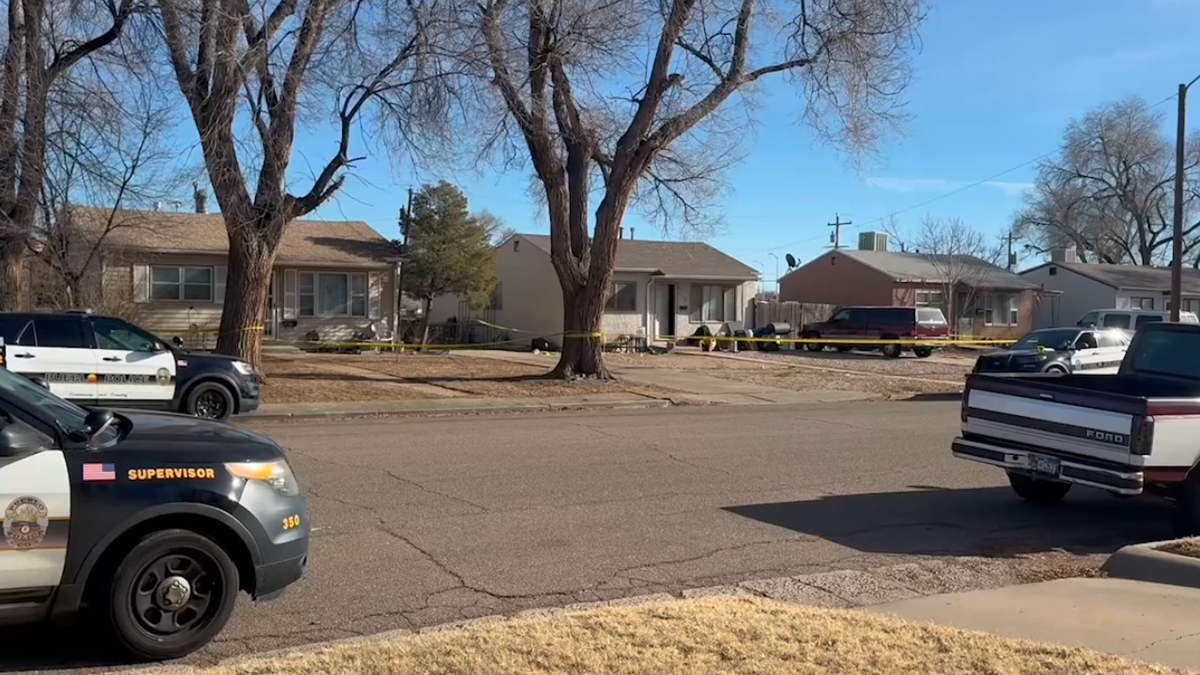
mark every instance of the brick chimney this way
{"type": "Point", "coordinates": [200, 197]}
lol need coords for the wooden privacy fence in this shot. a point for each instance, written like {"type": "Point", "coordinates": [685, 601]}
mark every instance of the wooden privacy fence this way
{"type": "Point", "coordinates": [795, 314]}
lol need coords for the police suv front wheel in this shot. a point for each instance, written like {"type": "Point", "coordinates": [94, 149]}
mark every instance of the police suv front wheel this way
{"type": "Point", "coordinates": [171, 595]}
{"type": "Point", "coordinates": [210, 401]}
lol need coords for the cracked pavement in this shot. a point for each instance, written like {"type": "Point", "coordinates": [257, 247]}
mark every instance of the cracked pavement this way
{"type": "Point", "coordinates": [419, 522]}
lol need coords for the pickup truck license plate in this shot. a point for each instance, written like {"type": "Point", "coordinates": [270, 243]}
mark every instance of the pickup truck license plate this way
{"type": "Point", "coordinates": [1041, 464]}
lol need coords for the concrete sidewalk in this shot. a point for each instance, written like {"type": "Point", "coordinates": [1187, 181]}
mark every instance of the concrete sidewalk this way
{"type": "Point", "coordinates": [1139, 620]}
{"type": "Point", "coordinates": [450, 406]}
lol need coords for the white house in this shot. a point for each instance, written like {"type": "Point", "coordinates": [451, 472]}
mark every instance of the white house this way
{"type": "Point", "coordinates": [661, 289]}
{"type": "Point", "coordinates": [1083, 287]}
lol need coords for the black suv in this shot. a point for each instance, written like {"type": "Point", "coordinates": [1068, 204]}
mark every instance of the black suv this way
{"type": "Point", "coordinates": [100, 360]}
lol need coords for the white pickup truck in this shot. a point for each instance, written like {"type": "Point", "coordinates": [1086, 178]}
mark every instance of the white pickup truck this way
{"type": "Point", "coordinates": [1134, 432]}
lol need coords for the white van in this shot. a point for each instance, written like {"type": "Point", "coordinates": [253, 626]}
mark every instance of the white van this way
{"type": "Point", "coordinates": [1129, 319]}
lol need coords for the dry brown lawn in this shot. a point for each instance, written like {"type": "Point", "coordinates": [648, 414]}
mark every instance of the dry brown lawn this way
{"type": "Point", "coordinates": [1187, 547]}
{"type": "Point", "coordinates": [694, 637]}
{"type": "Point", "coordinates": [369, 377]}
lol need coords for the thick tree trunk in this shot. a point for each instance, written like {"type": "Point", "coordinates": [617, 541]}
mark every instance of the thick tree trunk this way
{"type": "Point", "coordinates": [583, 351]}
{"type": "Point", "coordinates": [245, 309]}
{"type": "Point", "coordinates": [12, 277]}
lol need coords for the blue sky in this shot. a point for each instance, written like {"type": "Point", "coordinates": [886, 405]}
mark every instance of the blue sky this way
{"type": "Point", "coordinates": [996, 82]}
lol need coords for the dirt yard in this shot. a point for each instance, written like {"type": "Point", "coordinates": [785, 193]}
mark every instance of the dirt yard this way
{"type": "Point", "coordinates": [697, 637]}
{"type": "Point", "coordinates": [372, 377]}
{"type": "Point", "coordinates": [802, 370]}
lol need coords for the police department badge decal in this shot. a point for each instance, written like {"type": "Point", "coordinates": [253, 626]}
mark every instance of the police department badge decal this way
{"type": "Point", "coordinates": [164, 376]}
{"type": "Point", "coordinates": [25, 522]}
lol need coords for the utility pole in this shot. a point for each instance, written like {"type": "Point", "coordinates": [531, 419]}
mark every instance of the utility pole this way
{"type": "Point", "coordinates": [836, 238]}
{"type": "Point", "coordinates": [405, 226]}
{"type": "Point", "coordinates": [1177, 239]}
{"type": "Point", "coordinates": [776, 272]}
{"type": "Point", "coordinates": [1010, 260]}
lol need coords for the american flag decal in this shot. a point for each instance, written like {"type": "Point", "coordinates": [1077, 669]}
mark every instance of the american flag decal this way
{"type": "Point", "coordinates": [98, 472]}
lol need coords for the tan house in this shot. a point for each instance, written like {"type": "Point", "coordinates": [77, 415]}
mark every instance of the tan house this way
{"type": "Point", "coordinates": [661, 289]}
{"type": "Point", "coordinates": [332, 277]}
{"type": "Point", "coordinates": [978, 298]}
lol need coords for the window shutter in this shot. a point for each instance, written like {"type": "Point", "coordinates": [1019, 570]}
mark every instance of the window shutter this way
{"type": "Point", "coordinates": [219, 274]}
{"type": "Point", "coordinates": [141, 283]}
{"type": "Point", "coordinates": [696, 302]}
{"type": "Point", "coordinates": [374, 293]}
{"type": "Point", "coordinates": [289, 294]}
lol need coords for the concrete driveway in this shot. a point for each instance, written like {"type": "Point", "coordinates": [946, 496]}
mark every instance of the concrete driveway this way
{"type": "Point", "coordinates": [424, 521]}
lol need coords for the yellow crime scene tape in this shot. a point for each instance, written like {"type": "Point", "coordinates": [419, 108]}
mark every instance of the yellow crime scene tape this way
{"type": "Point", "coordinates": [953, 340]}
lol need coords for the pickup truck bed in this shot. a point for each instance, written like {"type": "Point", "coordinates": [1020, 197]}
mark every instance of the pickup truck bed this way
{"type": "Point", "coordinates": [1129, 433]}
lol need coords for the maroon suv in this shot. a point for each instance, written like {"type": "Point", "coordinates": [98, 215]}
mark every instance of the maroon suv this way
{"type": "Point", "coordinates": [879, 323]}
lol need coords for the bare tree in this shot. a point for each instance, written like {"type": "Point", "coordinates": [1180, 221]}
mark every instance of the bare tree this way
{"type": "Point", "coordinates": [106, 147]}
{"type": "Point", "coordinates": [275, 65]}
{"type": "Point", "coordinates": [629, 100]}
{"type": "Point", "coordinates": [43, 40]}
{"type": "Point", "coordinates": [1108, 192]}
{"type": "Point", "coordinates": [964, 259]}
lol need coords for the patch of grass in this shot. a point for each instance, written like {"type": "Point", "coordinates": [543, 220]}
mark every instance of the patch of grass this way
{"type": "Point", "coordinates": [1187, 547]}
{"type": "Point", "coordinates": [694, 637]}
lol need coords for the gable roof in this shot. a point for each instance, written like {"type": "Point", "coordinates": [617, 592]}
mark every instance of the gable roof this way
{"type": "Point", "coordinates": [923, 268]}
{"type": "Point", "coordinates": [1129, 276]}
{"type": "Point", "coordinates": [668, 258]}
{"type": "Point", "coordinates": [304, 241]}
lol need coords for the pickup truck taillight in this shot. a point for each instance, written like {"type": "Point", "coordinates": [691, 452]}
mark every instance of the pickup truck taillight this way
{"type": "Point", "coordinates": [1143, 435]}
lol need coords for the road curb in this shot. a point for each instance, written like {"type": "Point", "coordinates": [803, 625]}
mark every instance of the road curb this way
{"type": "Point", "coordinates": [1142, 562]}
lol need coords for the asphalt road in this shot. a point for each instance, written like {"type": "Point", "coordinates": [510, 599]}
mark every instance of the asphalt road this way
{"type": "Point", "coordinates": [425, 521]}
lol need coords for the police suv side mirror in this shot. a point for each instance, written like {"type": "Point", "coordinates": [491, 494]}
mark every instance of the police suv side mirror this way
{"type": "Point", "coordinates": [40, 382]}
{"type": "Point", "coordinates": [97, 420]}
{"type": "Point", "coordinates": [177, 341]}
{"type": "Point", "coordinates": [18, 439]}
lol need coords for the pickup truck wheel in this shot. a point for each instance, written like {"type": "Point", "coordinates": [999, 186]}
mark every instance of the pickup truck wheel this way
{"type": "Point", "coordinates": [813, 346]}
{"type": "Point", "coordinates": [210, 401]}
{"type": "Point", "coordinates": [1038, 491]}
{"type": "Point", "coordinates": [172, 593]}
{"type": "Point", "coordinates": [923, 352]}
{"type": "Point", "coordinates": [1187, 507]}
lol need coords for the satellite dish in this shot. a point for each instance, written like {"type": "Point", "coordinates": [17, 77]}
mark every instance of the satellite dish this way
{"type": "Point", "coordinates": [791, 260]}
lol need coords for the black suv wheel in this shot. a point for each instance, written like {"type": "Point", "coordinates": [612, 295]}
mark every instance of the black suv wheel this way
{"type": "Point", "coordinates": [210, 401]}
{"type": "Point", "coordinates": [171, 595]}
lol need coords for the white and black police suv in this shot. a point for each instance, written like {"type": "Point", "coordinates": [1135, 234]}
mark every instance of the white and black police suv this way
{"type": "Point", "coordinates": [150, 523]}
{"type": "Point", "coordinates": [99, 360]}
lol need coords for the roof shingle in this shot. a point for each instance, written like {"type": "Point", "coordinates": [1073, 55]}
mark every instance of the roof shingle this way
{"type": "Point", "coordinates": [670, 258]}
{"type": "Point", "coordinates": [304, 241]}
{"type": "Point", "coordinates": [1133, 276]}
{"type": "Point", "coordinates": [923, 267]}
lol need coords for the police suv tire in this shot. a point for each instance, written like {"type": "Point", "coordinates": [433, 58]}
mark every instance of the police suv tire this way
{"type": "Point", "coordinates": [119, 601]}
{"type": "Point", "coordinates": [1056, 370]}
{"type": "Point", "coordinates": [1038, 491]}
{"type": "Point", "coordinates": [209, 389]}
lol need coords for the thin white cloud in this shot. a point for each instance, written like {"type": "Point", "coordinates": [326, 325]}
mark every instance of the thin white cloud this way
{"type": "Point", "coordinates": [893, 184]}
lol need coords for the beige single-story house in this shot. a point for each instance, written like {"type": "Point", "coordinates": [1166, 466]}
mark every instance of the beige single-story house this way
{"type": "Point", "coordinates": [332, 277]}
{"type": "Point", "coordinates": [661, 289]}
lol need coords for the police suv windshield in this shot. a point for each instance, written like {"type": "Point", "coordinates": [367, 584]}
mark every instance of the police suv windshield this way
{"type": "Point", "coordinates": [33, 398]}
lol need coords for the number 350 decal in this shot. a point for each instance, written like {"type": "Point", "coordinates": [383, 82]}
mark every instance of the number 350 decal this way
{"type": "Point", "coordinates": [291, 522]}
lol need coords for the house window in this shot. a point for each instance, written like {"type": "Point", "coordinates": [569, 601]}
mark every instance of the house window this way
{"type": "Point", "coordinates": [332, 294]}
{"type": "Point", "coordinates": [623, 297]}
{"type": "Point", "coordinates": [713, 303]}
{"type": "Point", "coordinates": [1000, 310]}
{"type": "Point", "coordinates": [192, 284]}
{"type": "Point", "coordinates": [1141, 303]}
{"type": "Point", "coordinates": [931, 299]}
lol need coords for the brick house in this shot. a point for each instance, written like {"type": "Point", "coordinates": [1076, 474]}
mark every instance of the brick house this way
{"type": "Point", "coordinates": [978, 298]}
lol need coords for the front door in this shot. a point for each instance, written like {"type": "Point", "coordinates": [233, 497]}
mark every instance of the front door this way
{"type": "Point", "coordinates": [35, 509]}
{"type": "Point", "coordinates": [132, 366]}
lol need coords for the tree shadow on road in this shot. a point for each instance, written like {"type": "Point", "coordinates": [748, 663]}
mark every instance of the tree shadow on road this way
{"type": "Point", "coordinates": [990, 522]}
